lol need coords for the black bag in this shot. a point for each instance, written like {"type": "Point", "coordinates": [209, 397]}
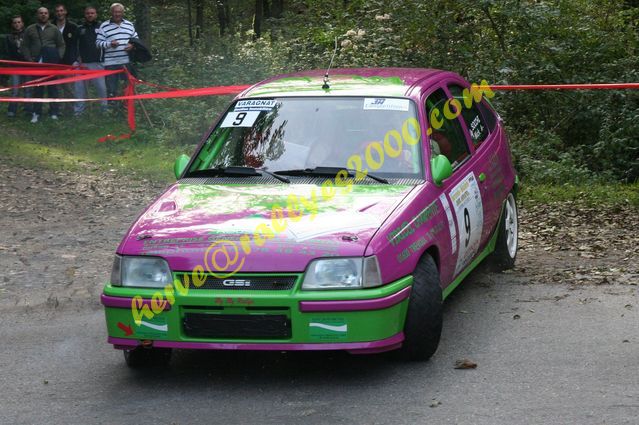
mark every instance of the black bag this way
{"type": "Point", "coordinates": [139, 53]}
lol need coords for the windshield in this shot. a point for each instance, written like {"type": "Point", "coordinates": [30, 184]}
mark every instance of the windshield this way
{"type": "Point", "coordinates": [304, 133]}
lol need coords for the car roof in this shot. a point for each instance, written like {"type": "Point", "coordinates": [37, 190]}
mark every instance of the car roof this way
{"type": "Point", "coordinates": [393, 82]}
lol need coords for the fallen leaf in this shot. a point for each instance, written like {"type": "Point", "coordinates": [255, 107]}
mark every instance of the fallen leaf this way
{"type": "Point", "coordinates": [465, 364]}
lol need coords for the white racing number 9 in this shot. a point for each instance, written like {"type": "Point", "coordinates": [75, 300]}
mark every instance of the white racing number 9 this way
{"type": "Point", "coordinates": [240, 119]}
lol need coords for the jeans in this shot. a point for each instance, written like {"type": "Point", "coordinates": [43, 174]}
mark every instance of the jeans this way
{"type": "Point", "coordinates": [15, 81]}
{"type": "Point", "coordinates": [47, 55]}
{"type": "Point", "coordinates": [52, 92]}
{"type": "Point", "coordinates": [113, 80]}
{"type": "Point", "coordinates": [80, 88]}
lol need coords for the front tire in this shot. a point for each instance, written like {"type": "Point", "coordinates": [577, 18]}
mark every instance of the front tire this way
{"type": "Point", "coordinates": [141, 357]}
{"type": "Point", "coordinates": [423, 326]}
{"type": "Point", "coordinates": [505, 253]}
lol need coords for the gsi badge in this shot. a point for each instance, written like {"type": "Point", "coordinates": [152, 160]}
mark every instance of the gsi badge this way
{"type": "Point", "coordinates": [236, 282]}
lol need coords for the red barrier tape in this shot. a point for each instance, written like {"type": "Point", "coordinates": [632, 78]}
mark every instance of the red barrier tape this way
{"type": "Point", "coordinates": [30, 83]}
{"type": "Point", "coordinates": [36, 64]}
{"type": "Point", "coordinates": [76, 74]}
{"type": "Point", "coordinates": [33, 83]}
{"type": "Point", "coordinates": [56, 72]}
{"type": "Point", "coordinates": [607, 86]}
{"type": "Point", "coordinates": [206, 91]}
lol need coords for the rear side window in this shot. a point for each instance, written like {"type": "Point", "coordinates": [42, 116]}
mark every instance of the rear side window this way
{"type": "Point", "coordinates": [474, 120]}
{"type": "Point", "coordinates": [447, 137]}
{"type": "Point", "coordinates": [489, 115]}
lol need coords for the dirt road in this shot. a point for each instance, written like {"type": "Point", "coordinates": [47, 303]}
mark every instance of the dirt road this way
{"type": "Point", "coordinates": [556, 339]}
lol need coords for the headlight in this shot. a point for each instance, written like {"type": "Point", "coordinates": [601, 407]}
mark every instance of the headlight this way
{"type": "Point", "coordinates": [145, 272]}
{"type": "Point", "coordinates": [342, 273]}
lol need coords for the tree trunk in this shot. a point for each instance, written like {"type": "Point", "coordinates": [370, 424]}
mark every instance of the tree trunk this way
{"type": "Point", "coordinates": [266, 9]}
{"type": "Point", "coordinates": [142, 12]}
{"type": "Point", "coordinates": [199, 18]}
{"type": "Point", "coordinates": [277, 8]}
{"type": "Point", "coordinates": [222, 15]}
{"type": "Point", "coordinates": [257, 22]}
{"type": "Point", "coordinates": [188, 8]}
{"type": "Point", "coordinates": [493, 24]}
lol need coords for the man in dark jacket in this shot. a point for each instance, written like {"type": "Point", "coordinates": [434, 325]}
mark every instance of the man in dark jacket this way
{"type": "Point", "coordinates": [13, 43]}
{"type": "Point", "coordinates": [43, 43]}
{"type": "Point", "coordinates": [90, 57]}
{"type": "Point", "coordinates": [69, 32]}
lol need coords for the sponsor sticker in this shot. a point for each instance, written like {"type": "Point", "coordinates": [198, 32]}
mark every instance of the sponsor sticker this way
{"type": "Point", "coordinates": [467, 205]}
{"type": "Point", "coordinates": [152, 328]}
{"type": "Point", "coordinates": [451, 223]}
{"type": "Point", "coordinates": [254, 105]}
{"type": "Point", "coordinates": [328, 328]}
{"type": "Point", "coordinates": [386, 104]}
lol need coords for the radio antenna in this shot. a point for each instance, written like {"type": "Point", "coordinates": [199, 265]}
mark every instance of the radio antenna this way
{"type": "Point", "coordinates": [330, 65]}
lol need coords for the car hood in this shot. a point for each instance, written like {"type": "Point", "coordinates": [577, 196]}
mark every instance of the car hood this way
{"type": "Point", "coordinates": [229, 225]}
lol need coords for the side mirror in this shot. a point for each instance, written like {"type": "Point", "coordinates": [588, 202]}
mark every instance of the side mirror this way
{"type": "Point", "coordinates": [440, 168]}
{"type": "Point", "coordinates": [180, 164]}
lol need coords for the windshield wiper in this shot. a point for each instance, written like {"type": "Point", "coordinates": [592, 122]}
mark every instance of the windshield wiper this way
{"type": "Point", "coordinates": [280, 178]}
{"type": "Point", "coordinates": [234, 172]}
{"type": "Point", "coordinates": [327, 171]}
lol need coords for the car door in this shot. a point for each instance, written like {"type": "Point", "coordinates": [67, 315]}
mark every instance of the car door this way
{"type": "Point", "coordinates": [485, 155]}
{"type": "Point", "coordinates": [460, 195]}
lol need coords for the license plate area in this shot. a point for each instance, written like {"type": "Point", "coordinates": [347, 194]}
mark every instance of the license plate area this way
{"type": "Point", "coordinates": [237, 326]}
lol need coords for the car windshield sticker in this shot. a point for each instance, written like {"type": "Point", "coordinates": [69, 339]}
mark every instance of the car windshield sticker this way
{"type": "Point", "coordinates": [469, 213]}
{"type": "Point", "coordinates": [254, 105]}
{"type": "Point", "coordinates": [386, 104]}
{"type": "Point", "coordinates": [451, 223]}
{"type": "Point", "coordinates": [240, 119]}
{"type": "Point", "coordinates": [476, 129]}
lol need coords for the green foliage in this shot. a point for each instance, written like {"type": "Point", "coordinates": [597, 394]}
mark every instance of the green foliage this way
{"type": "Point", "coordinates": [557, 136]}
{"type": "Point", "coordinates": [72, 144]}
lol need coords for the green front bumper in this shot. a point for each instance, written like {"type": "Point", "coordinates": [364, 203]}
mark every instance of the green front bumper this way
{"type": "Point", "coordinates": [314, 318]}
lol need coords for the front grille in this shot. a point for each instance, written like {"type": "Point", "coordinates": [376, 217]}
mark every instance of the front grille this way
{"type": "Point", "coordinates": [247, 326]}
{"type": "Point", "coordinates": [260, 283]}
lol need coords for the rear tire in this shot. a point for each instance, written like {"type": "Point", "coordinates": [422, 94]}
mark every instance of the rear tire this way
{"type": "Point", "coordinates": [423, 326]}
{"type": "Point", "coordinates": [503, 258]}
{"type": "Point", "coordinates": [141, 357]}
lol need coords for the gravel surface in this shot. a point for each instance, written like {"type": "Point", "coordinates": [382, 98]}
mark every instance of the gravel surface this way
{"type": "Point", "coordinates": [554, 341]}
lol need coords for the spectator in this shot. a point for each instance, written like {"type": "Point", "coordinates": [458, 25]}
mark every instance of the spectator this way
{"type": "Point", "coordinates": [113, 38]}
{"type": "Point", "coordinates": [13, 46]}
{"type": "Point", "coordinates": [90, 57]}
{"type": "Point", "coordinates": [69, 32]}
{"type": "Point", "coordinates": [43, 43]}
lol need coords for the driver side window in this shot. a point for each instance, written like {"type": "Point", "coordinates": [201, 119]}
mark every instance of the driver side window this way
{"type": "Point", "coordinates": [447, 137]}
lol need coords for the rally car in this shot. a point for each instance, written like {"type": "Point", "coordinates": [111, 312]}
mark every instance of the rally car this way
{"type": "Point", "coordinates": [320, 212]}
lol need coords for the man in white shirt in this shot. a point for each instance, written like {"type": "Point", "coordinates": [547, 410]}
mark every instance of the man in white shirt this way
{"type": "Point", "coordinates": [113, 38]}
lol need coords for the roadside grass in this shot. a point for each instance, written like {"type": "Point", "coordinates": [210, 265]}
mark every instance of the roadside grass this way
{"type": "Point", "coordinates": [72, 144]}
{"type": "Point", "coordinates": [586, 194]}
